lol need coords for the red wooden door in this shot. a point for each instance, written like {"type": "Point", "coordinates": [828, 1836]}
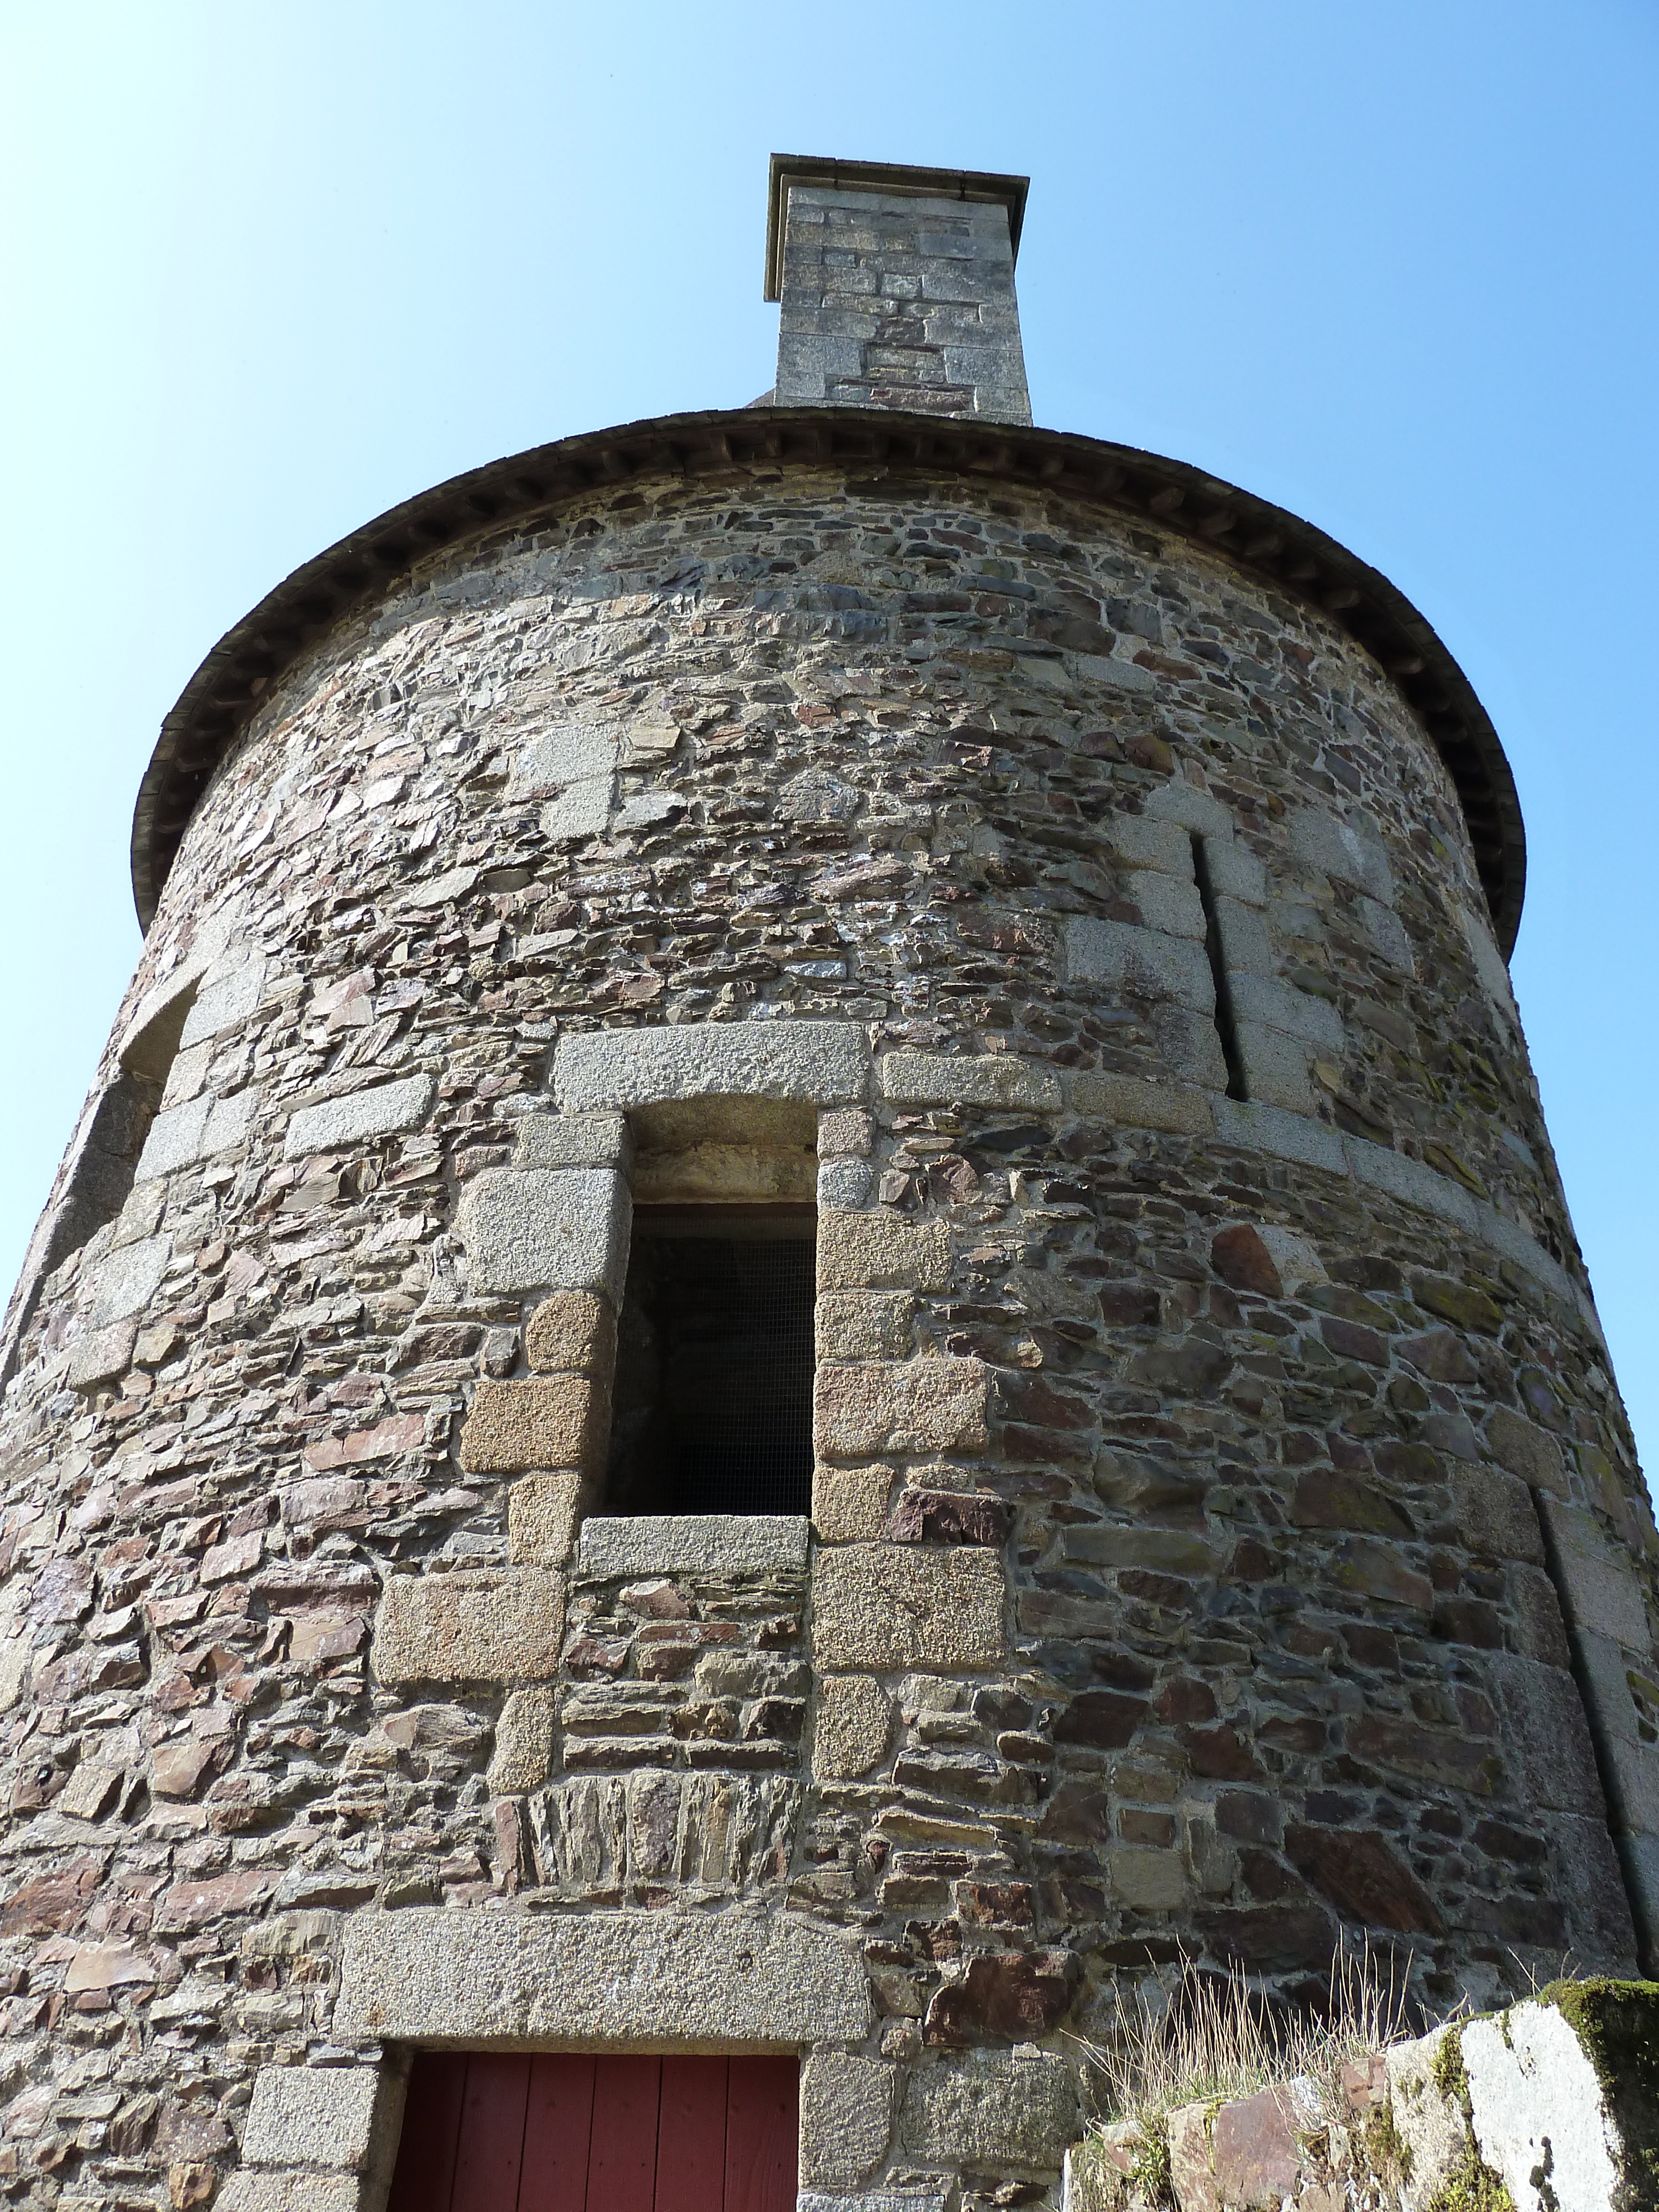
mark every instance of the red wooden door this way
{"type": "Point", "coordinates": [490, 2131]}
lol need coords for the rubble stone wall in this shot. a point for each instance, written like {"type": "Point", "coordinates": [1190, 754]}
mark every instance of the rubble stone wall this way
{"type": "Point", "coordinates": [1225, 1528]}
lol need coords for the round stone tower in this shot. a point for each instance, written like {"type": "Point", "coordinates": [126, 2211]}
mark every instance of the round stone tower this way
{"type": "Point", "coordinates": [814, 1298]}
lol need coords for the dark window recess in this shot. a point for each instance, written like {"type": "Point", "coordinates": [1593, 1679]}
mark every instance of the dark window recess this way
{"type": "Point", "coordinates": [712, 1400]}
{"type": "Point", "coordinates": [102, 1177]}
{"type": "Point", "coordinates": [99, 1178]}
{"type": "Point", "coordinates": [1226, 1026]}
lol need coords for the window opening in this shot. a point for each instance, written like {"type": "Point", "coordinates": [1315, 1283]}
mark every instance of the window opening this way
{"type": "Point", "coordinates": [100, 1177]}
{"type": "Point", "coordinates": [712, 1399]}
{"type": "Point", "coordinates": [1226, 1025]}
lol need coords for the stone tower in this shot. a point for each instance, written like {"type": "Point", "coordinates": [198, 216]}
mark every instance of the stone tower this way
{"type": "Point", "coordinates": [813, 1296]}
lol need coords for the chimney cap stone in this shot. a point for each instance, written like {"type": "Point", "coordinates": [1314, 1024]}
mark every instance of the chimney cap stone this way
{"type": "Point", "coordinates": [891, 177]}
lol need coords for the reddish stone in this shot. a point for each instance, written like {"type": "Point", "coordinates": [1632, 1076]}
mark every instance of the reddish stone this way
{"type": "Point", "coordinates": [1189, 1367]}
{"type": "Point", "coordinates": [1220, 1754]}
{"type": "Point", "coordinates": [996, 1903]}
{"type": "Point", "coordinates": [1267, 1877]}
{"type": "Point", "coordinates": [1130, 1305]}
{"type": "Point", "coordinates": [1248, 1816]}
{"type": "Point", "coordinates": [1186, 1699]}
{"type": "Point", "coordinates": [1148, 751]}
{"type": "Point", "coordinates": [403, 1432]}
{"type": "Point", "coordinates": [1101, 1719]}
{"type": "Point", "coordinates": [1016, 1994]}
{"type": "Point", "coordinates": [1264, 1937]}
{"type": "Point", "coordinates": [1077, 1814]}
{"type": "Point", "coordinates": [194, 1904]}
{"type": "Point", "coordinates": [1240, 1258]}
{"type": "Point", "coordinates": [315, 1637]}
{"type": "Point", "coordinates": [81, 1673]}
{"type": "Point", "coordinates": [52, 1901]}
{"type": "Point", "coordinates": [1435, 1754]}
{"type": "Point", "coordinates": [1469, 1620]}
{"type": "Point", "coordinates": [1325, 1500]}
{"type": "Point", "coordinates": [1254, 2151]}
{"type": "Point", "coordinates": [190, 2131]}
{"type": "Point", "coordinates": [62, 1591]}
{"type": "Point", "coordinates": [1030, 1399]}
{"type": "Point", "coordinates": [176, 1769]}
{"type": "Point", "coordinates": [1366, 1564]}
{"type": "Point", "coordinates": [1348, 1340]}
{"type": "Point", "coordinates": [948, 1516]}
{"type": "Point", "coordinates": [1371, 1647]}
{"type": "Point", "coordinates": [1439, 1354]}
{"type": "Point", "coordinates": [1363, 1874]}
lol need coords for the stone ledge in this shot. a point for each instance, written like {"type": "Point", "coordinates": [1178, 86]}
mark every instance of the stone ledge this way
{"type": "Point", "coordinates": [627, 1980]}
{"type": "Point", "coordinates": [822, 1063]}
{"type": "Point", "coordinates": [1260, 1126]}
{"type": "Point", "coordinates": [718, 1544]}
{"type": "Point", "coordinates": [1127, 1100]}
{"type": "Point", "coordinates": [987, 1079]}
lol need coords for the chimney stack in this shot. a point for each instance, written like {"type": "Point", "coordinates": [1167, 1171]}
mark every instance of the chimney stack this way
{"type": "Point", "coordinates": [897, 288]}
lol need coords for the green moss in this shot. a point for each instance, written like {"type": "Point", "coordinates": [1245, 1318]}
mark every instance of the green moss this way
{"type": "Point", "coordinates": [1617, 2025]}
{"type": "Point", "coordinates": [1150, 2177]}
{"type": "Point", "coordinates": [1471, 2186]}
{"type": "Point", "coordinates": [1387, 2152]}
{"type": "Point", "coordinates": [1449, 2072]}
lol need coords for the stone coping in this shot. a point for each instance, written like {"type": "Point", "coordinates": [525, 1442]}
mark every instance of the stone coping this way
{"type": "Point", "coordinates": [920, 1078]}
{"type": "Point", "coordinates": [686, 1981]}
{"type": "Point", "coordinates": [727, 1545]}
{"type": "Point", "coordinates": [895, 177]}
{"type": "Point", "coordinates": [248, 665]}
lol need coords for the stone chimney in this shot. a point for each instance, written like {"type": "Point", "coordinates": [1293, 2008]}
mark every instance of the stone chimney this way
{"type": "Point", "coordinates": [897, 288]}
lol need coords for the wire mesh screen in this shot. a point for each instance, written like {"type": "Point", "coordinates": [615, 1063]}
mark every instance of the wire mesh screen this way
{"type": "Point", "coordinates": [713, 1392]}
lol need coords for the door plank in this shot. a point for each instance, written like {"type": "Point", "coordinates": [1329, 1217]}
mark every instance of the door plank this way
{"type": "Point", "coordinates": [425, 2171]}
{"type": "Point", "coordinates": [558, 2133]}
{"type": "Point", "coordinates": [692, 2136]}
{"type": "Point", "coordinates": [491, 2150]}
{"type": "Point", "coordinates": [761, 2129]}
{"type": "Point", "coordinates": [622, 2165]}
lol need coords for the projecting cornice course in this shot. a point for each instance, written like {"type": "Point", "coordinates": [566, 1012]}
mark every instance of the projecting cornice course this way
{"type": "Point", "coordinates": [1259, 538]}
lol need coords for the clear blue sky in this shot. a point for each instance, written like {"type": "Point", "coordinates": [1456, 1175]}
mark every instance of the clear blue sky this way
{"type": "Point", "coordinates": [267, 269]}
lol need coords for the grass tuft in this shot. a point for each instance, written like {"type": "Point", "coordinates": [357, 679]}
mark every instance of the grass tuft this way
{"type": "Point", "coordinates": [1212, 2038]}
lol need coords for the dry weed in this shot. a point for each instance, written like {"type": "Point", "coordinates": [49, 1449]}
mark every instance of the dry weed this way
{"type": "Point", "coordinates": [1210, 2036]}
